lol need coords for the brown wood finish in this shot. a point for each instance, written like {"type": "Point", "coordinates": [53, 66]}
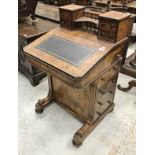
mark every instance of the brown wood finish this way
{"type": "Point", "coordinates": [63, 2]}
{"type": "Point", "coordinates": [83, 2]}
{"type": "Point", "coordinates": [131, 6]}
{"type": "Point", "coordinates": [113, 25]}
{"type": "Point", "coordinates": [28, 32]}
{"type": "Point", "coordinates": [69, 13]}
{"type": "Point", "coordinates": [86, 91]}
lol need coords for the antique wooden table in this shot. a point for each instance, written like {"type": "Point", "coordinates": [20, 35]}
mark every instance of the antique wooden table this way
{"type": "Point", "coordinates": [131, 6]}
{"type": "Point", "coordinates": [28, 32]}
{"type": "Point", "coordinates": [82, 74]}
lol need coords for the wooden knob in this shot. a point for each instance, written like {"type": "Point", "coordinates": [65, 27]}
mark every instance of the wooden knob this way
{"type": "Point", "coordinates": [115, 68]}
{"type": "Point", "coordinates": [103, 79]}
{"type": "Point", "coordinates": [100, 103]}
{"type": "Point", "coordinates": [112, 25]}
{"type": "Point", "coordinates": [99, 113]}
{"type": "Point", "coordinates": [109, 102]}
{"type": "Point", "coordinates": [110, 92]}
{"type": "Point", "coordinates": [114, 80]}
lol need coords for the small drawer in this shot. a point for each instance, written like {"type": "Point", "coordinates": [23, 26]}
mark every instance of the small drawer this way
{"type": "Point", "coordinates": [108, 76]}
{"type": "Point", "coordinates": [78, 14]}
{"type": "Point", "coordinates": [65, 15]}
{"type": "Point", "coordinates": [66, 23]}
{"type": "Point", "coordinates": [103, 102]}
{"type": "Point", "coordinates": [109, 36]}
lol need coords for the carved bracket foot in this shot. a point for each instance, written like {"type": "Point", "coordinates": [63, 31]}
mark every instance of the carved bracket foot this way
{"type": "Point", "coordinates": [131, 84]}
{"type": "Point", "coordinates": [42, 103]}
{"type": "Point", "coordinates": [87, 128]}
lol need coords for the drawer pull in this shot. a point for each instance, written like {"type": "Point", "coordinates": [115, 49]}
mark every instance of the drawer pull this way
{"type": "Point", "coordinates": [100, 103]}
{"type": "Point", "coordinates": [110, 92]}
{"type": "Point", "coordinates": [115, 68]}
{"type": "Point", "coordinates": [112, 25]}
{"type": "Point", "coordinates": [114, 80]}
{"type": "Point", "coordinates": [99, 113]}
{"type": "Point", "coordinates": [109, 102]}
{"type": "Point", "coordinates": [112, 34]}
{"type": "Point", "coordinates": [103, 79]}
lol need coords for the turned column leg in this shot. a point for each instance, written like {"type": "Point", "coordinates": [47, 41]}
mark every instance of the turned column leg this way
{"type": "Point", "coordinates": [87, 128]}
{"type": "Point", "coordinates": [131, 84]}
{"type": "Point", "coordinates": [42, 103]}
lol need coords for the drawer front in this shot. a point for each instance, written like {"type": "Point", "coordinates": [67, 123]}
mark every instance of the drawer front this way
{"type": "Point", "coordinates": [82, 2]}
{"type": "Point", "coordinates": [104, 100]}
{"type": "Point", "coordinates": [66, 23]}
{"type": "Point", "coordinates": [107, 26]}
{"type": "Point", "coordinates": [107, 30]}
{"type": "Point", "coordinates": [108, 76]}
{"type": "Point", "coordinates": [91, 15]}
{"type": "Point", "coordinates": [67, 15]}
{"type": "Point", "coordinates": [78, 14]}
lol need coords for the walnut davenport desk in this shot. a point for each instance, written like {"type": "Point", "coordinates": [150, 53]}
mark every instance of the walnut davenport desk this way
{"type": "Point", "coordinates": [82, 74]}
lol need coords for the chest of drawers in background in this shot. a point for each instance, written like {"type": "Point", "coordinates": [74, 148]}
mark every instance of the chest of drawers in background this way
{"type": "Point", "coordinates": [83, 2]}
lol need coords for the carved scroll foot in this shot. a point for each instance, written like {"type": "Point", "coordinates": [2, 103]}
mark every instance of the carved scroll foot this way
{"type": "Point", "coordinates": [42, 103]}
{"type": "Point", "coordinates": [87, 128]}
{"type": "Point", "coordinates": [81, 134]}
{"type": "Point", "coordinates": [130, 83]}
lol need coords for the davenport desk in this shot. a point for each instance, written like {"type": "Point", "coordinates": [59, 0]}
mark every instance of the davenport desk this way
{"type": "Point", "coordinates": [82, 74]}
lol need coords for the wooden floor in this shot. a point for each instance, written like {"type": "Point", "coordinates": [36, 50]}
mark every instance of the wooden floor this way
{"type": "Point", "coordinates": [47, 11]}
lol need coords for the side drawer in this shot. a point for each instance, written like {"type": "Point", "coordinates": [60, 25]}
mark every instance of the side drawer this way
{"type": "Point", "coordinates": [105, 99]}
{"type": "Point", "coordinates": [108, 76]}
{"type": "Point", "coordinates": [67, 15]}
{"type": "Point", "coordinates": [66, 23]}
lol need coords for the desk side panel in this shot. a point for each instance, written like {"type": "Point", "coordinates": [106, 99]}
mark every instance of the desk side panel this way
{"type": "Point", "coordinates": [79, 101]}
{"type": "Point", "coordinates": [105, 63]}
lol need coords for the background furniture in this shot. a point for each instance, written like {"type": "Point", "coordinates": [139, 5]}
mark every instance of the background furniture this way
{"type": "Point", "coordinates": [129, 68]}
{"type": "Point", "coordinates": [119, 5]}
{"type": "Point", "coordinates": [131, 84]}
{"type": "Point", "coordinates": [28, 32]}
{"type": "Point", "coordinates": [83, 2]}
{"type": "Point", "coordinates": [57, 2]}
{"type": "Point", "coordinates": [63, 2]}
{"type": "Point", "coordinates": [26, 8]}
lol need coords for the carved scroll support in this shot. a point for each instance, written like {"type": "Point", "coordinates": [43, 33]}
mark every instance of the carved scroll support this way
{"type": "Point", "coordinates": [42, 103]}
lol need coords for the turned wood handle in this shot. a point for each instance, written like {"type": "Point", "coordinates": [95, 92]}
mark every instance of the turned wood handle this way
{"type": "Point", "coordinates": [109, 102]}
